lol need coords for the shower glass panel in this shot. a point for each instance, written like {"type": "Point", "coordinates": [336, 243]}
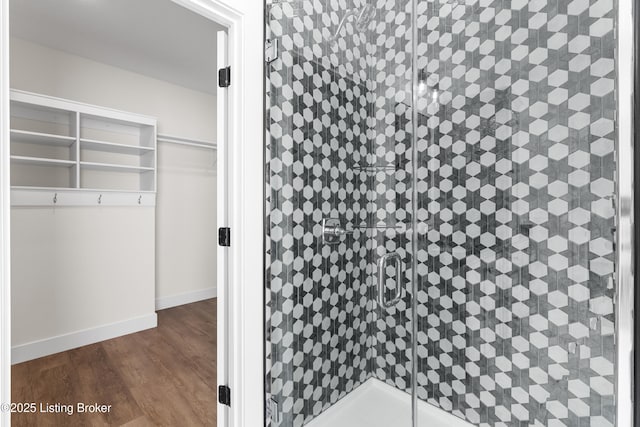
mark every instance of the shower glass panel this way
{"type": "Point", "coordinates": [440, 202]}
{"type": "Point", "coordinates": [339, 185]}
{"type": "Point", "coordinates": [516, 119]}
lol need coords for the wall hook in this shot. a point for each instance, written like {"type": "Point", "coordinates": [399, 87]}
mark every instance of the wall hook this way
{"type": "Point", "coordinates": [55, 198]}
{"type": "Point", "coordinates": [100, 199]}
{"type": "Point", "coordinates": [139, 199]}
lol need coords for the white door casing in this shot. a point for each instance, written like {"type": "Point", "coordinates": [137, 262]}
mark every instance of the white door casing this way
{"type": "Point", "coordinates": [5, 203]}
{"type": "Point", "coordinates": [244, 189]}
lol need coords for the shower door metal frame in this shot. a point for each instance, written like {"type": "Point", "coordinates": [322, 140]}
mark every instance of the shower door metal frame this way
{"type": "Point", "coordinates": [625, 215]}
{"type": "Point", "coordinates": [636, 361]}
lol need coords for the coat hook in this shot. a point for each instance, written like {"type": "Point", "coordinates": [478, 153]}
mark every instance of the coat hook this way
{"type": "Point", "coordinates": [100, 199]}
{"type": "Point", "coordinates": [139, 199]}
{"type": "Point", "coordinates": [55, 198]}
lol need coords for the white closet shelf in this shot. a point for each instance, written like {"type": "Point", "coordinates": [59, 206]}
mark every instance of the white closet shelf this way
{"type": "Point", "coordinates": [110, 149]}
{"type": "Point", "coordinates": [80, 190]}
{"type": "Point", "coordinates": [42, 161]}
{"type": "Point", "coordinates": [29, 137]}
{"type": "Point", "coordinates": [113, 147]}
{"type": "Point", "coordinates": [179, 140]}
{"type": "Point", "coordinates": [114, 167]}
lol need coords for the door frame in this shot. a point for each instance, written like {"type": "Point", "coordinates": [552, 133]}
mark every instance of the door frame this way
{"type": "Point", "coordinates": [636, 194]}
{"type": "Point", "coordinates": [245, 190]}
{"type": "Point", "coordinates": [222, 338]}
{"type": "Point", "coordinates": [624, 211]}
{"type": "Point", "coordinates": [5, 212]}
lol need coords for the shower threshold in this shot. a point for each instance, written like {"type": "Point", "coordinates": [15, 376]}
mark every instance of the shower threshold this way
{"type": "Point", "coordinates": [376, 404]}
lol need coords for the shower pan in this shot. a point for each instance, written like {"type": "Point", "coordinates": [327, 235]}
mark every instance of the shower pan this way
{"type": "Point", "coordinates": [442, 209]}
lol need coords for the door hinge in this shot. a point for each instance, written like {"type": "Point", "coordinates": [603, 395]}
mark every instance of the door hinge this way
{"type": "Point", "coordinates": [273, 413]}
{"type": "Point", "coordinates": [270, 50]}
{"type": "Point", "coordinates": [224, 395]}
{"type": "Point", "coordinates": [224, 236]}
{"type": "Point", "coordinates": [224, 77]}
{"type": "Point", "coordinates": [633, 374]}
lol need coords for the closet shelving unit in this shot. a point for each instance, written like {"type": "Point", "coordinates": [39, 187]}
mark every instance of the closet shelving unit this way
{"type": "Point", "coordinates": [69, 153]}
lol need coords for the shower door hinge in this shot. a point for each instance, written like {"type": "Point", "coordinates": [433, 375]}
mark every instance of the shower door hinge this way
{"type": "Point", "coordinates": [224, 395]}
{"type": "Point", "coordinates": [224, 236]}
{"type": "Point", "coordinates": [633, 374]}
{"type": "Point", "coordinates": [224, 77]}
{"type": "Point", "coordinates": [270, 50]}
{"type": "Point", "coordinates": [273, 413]}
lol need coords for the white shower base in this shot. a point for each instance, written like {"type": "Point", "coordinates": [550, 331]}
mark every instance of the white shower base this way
{"type": "Point", "coordinates": [376, 404]}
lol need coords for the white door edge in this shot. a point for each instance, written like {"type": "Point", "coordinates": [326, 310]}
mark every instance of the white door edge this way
{"type": "Point", "coordinates": [223, 221]}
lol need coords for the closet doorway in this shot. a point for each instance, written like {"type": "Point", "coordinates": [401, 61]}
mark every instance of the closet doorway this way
{"type": "Point", "coordinates": [118, 126]}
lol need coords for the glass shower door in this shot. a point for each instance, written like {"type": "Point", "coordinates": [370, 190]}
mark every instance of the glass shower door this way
{"type": "Point", "coordinates": [391, 185]}
{"type": "Point", "coordinates": [516, 137]}
{"type": "Point", "coordinates": [339, 187]}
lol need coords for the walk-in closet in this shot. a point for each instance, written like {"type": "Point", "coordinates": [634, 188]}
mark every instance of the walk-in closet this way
{"type": "Point", "coordinates": [113, 210]}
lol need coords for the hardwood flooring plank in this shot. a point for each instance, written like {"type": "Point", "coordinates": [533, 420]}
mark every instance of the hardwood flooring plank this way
{"type": "Point", "coordinates": [165, 406]}
{"type": "Point", "coordinates": [160, 377]}
{"type": "Point", "coordinates": [134, 363]}
{"type": "Point", "coordinates": [139, 422]}
{"type": "Point", "coordinates": [190, 377]}
{"type": "Point", "coordinates": [194, 349]}
{"type": "Point", "coordinates": [102, 384]}
{"type": "Point", "coordinates": [54, 385]}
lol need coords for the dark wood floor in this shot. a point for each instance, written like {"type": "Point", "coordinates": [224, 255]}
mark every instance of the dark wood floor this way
{"type": "Point", "coordinates": [160, 377]}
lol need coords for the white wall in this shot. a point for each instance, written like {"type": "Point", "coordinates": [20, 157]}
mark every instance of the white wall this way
{"type": "Point", "coordinates": [179, 110]}
{"type": "Point", "coordinates": [184, 239]}
{"type": "Point", "coordinates": [77, 268]}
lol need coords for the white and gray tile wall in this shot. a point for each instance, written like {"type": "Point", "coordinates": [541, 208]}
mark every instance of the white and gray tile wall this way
{"type": "Point", "coordinates": [317, 331]}
{"type": "Point", "coordinates": [515, 137]}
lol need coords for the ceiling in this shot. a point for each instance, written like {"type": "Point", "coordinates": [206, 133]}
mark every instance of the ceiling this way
{"type": "Point", "coordinates": [156, 38]}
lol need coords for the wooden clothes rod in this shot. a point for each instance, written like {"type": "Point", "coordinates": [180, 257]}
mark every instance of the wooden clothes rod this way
{"type": "Point", "coordinates": [187, 141]}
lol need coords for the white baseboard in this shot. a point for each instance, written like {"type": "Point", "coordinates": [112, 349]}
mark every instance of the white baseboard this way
{"type": "Point", "coordinates": [185, 298]}
{"type": "Point", "coordinates": [33, 350]}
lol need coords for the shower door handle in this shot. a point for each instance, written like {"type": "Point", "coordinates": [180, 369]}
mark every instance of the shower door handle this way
{"type": "Point", "coordinates": [382, 267]}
